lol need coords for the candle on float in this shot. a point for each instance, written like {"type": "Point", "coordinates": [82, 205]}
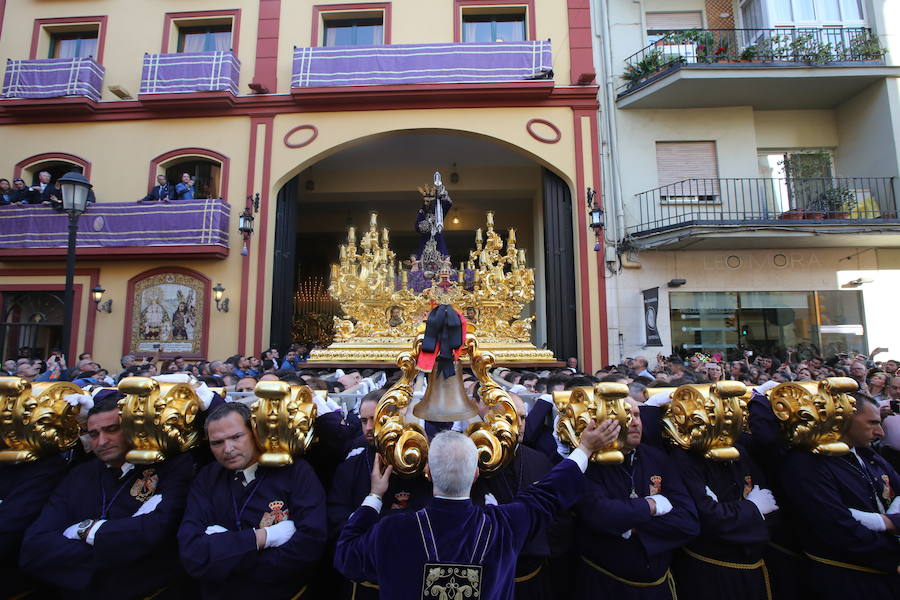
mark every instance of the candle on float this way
{"type": "Point", "coordinates": [490, 218]}
{"type": "Point", "coordinates": [403, 278]}
{"type": "Point", "coordinates": [512, 237]}
{"type": "Point", "coordinates": [522, 256]}
{"type": "Point", "coordinates": [384, 236]}
{"type": "Point", "coordinates": [478, 235]}
{"type": "Point", "coordinates": [351, 235]}
{"type": "Point", "coordinates": [343, 252]}
{"type": "Point", "coordinates": [334, 272]}
{"type": "Point", "coordinates": [373, 220]}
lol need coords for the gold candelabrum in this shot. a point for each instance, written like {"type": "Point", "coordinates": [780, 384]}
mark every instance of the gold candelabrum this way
{"type": "Point", "coordinates": [159, 419]}
{"type": "Point", "coordinates": [706, 419]}
{"type": "Point", "coordinates": [382, 313]}
{"type": "Point", "coordinates": [35, 419]}
{"type": "Point", "coordinates": [282, 421]}
{"type": "Point", "coordinates": [815, 414]}
{"type": "Point", "coordinates": [581, 405]}
{"type": "Point", "coordinates": [404, 445]}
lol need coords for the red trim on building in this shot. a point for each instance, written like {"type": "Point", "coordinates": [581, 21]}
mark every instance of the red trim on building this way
{"type": "Point", "coordinates": [269, 122]}
{"type": "Point", "coordinates": [119, 253]}
{"type": "Point", "coordinates": [265, 73]}
{"type": "Point", "coordinates": [170, 17]}
{"type": "Point", "coordinates": [189, 152]}
{"type": "Point", "coordinates": [459, 5]}
{"type": "Point", "coordinates": [245, 263]}
{"type": "Point", "coordinates": [578, 203]}
{"type": "Point", "coordinates": [39, 24]}
{"type": "Point", "coordinates": [581, 53]}
{"type": "Point", "coordinates": [90, 323]}
{"type": "Point", "coordinates": [129, 309]}
{"type": "Point", "coordinates": [48, 156]}
{"type": "Point", "coordinates": [318, 9]}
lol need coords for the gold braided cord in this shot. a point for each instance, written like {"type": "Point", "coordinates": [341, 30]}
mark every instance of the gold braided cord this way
{"type": "Point", "coordinates": [666, 578]}
{"type": "Point", "coordinates": [760, 564]}
{"type": "Point", "coordinates": [843, 565]}
{"type": "Point", "coordinates": [529, 576]}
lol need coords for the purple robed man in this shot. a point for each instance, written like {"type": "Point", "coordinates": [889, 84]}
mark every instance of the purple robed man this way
{"type": "Point", "coordinates": [849, 511]}
{"type": "Point", "coordinates": [108, 529]}
{"type": "Point", "coordinates": [452, 544]}
{"type": "Point", "coordinates": [249, 530]}
{"type": "Point", "coordinates": [629, 521]}
{"type": "Point", "coordinates": [351, 485]}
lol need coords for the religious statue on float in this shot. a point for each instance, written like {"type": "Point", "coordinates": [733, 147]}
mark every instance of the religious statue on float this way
{"type": "Point", "coordinates": [436, 203]}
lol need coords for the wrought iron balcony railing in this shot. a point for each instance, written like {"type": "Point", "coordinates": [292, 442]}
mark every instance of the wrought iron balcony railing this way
{"type": "Point", "coordinates": [771, 47]}
{"type": "Point", "coordinates": [749, 201]}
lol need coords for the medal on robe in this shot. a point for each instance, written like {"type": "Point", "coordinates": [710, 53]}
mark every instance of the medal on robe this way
{"type": "Point", "coordinates": [633, 494]}
{"type": "Point", "coordinates": [145, 485]}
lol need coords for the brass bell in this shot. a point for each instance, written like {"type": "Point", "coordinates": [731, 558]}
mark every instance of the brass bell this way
{"type": "Point", "coordinates": [445, 399]}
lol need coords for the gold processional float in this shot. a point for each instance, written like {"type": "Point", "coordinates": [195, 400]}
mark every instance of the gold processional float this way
{"type": "Point", "coordinates": [160, 419]}
{"type": "Point", "coordinates": [382, 312]}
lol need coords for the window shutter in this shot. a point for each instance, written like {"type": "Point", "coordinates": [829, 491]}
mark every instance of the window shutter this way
{"type": "Point", "coordinates": [679, 161]}
{"type": "Point", "coordinates": [666, 21]}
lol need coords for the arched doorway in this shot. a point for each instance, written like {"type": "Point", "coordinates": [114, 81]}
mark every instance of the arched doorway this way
{"type": "Point", "coordinates": [381, 174]}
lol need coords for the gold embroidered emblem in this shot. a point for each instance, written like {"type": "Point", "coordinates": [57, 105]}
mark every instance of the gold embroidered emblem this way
{"type": "Point", "coordinates": [655, 484]}
{"type": "Point", "coordinates": [748, 485]}
{"type": "Point", "coordinates": [145, 485]}
{"type": "Point", "coordinates": [887, 492]}
{"type": "Point", "coordinates": [279, 513]}
{"type": "Point", "coordinates": [451, 582]}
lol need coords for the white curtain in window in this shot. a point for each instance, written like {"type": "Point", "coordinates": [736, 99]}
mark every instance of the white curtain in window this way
{"type": "Point", "coordinates": [194, 42]}
{"type": "Point", "coordinates": [804, 10]}
{"type": "Point", "coordinates": [221, 41]}
{"type": "Point", "coordinates": [830, 11]}
{"type": "Point", "coordinates": [851, 10]}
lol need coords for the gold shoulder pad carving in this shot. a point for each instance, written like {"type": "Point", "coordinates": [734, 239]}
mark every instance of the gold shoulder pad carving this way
{"type": "Point", "coordinates": [579, 406]}
{"type": "Point", "coordinates": [35, 419]}
{"type": "Point", "coordinates": [815, 414]}
{"type": "Point", "coordinates": [707, 419]}
{"type": "Point", "coordinates": [159, 419]}
{"type": "Point", "coordinates": [283, 420]}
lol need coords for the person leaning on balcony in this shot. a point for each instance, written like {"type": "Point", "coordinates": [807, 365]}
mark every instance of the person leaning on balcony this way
{"type": "Point", "coordinates": [160, 192]}
{"type": "Point", "coordinates": [184, 190]}
{"type": "Point", "coordinates": [20, 194]}
{"type": "Point", "coordinates": [6, 192]}
{"type": "Point", "coordinates": [45, 191]}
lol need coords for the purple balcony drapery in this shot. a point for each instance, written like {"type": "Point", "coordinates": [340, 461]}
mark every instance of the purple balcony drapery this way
{"type": "Point", "coordinates": [53, 78]}
{"type": "Point", "coordinates": [190, 72]}
{"type": "Point", "coordinates": [421, 63]}
{"type": "Point", "coordinates": [116, 225]}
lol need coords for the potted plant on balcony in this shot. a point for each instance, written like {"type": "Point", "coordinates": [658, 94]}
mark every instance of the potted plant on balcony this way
{"type": "Point", "coordinates": [653, 62]}
{"type": "Point", "coordinates": [836, 202]}
{"type": "Point", "coordinates": [866, 46]}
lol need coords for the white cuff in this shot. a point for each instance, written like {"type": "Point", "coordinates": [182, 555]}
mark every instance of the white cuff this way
{"type": "Point", "coordinates": [627, 534]}
{"type": "Point", "coordinates": [89, 538]}
{"type": "Point", "coordinates": [580, 458]}
{"type": "Point", "coordinates": [765, 387]}
{"type": "Point", "coordinates": [659, 399]}
{"type": "Point", "coordinates": [372, 501]}
{"type": "Point", "coordinates": [322, 407]}
{"type": "Point", "coordinates": [663, 506]}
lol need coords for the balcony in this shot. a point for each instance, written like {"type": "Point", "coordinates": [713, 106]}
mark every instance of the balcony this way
{"type": "Point", "coordinates": [797, 68]}
{"type": "Point", "coordinates": [210, 76]}
{"type": "Point", "coordinates": [758, 213]}
{"type": "Point", "coordinates": [33, 85]}
{"type": "Point", "coordinates": [323, 74]}
{"type": "Point", "coordinates": [198, 228]}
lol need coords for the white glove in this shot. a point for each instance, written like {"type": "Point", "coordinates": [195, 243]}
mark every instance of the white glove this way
{"type": "Point", "coordinates": [894, 508]}
{"type": "Point", "coordinates": [85, 401]}
{"type": "Point", "coordinates": [322, 407]}
{"type": "Point", "coordinates": [870, 520]}
{"type": "Point", "coordinates": [663, 506]}
{"type": "Point", "coordinates": [279, 533]}
{"type": "Point", "coordinates": [215, 529]}
{"type": "Point", "coordinates": [205, 394]}
{"type": "Point", "coordinates": [489, 500]}
{"type": "Point", "coordinates": [765, 387]}
{"type": "Point", "coordinates": [627, 534]}
{"type": "Point", "coordinates": [149, 506]}
{"type": "Point", "coordinates": [660, 399]}
{"type": "Point", "coordinates": [71, 532]}
{"type": "Point", "coordinates": [763, 499]}
{"type": "Point", "coordinates": [711, 494]}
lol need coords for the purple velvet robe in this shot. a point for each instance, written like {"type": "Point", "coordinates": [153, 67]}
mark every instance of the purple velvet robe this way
{"type": "Point", "coordinates": [823, 489]}
{"type": "Point", "coordinates": [607, 510]}
{"type": "Point", "coordinates": [395, 550]}
{"type": "Point", "coordinates": [131, 556]}
{"type": "Point", "coordinates": [228, 564]}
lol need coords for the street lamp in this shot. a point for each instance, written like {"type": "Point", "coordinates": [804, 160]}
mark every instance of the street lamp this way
{"type": "Point", "coordinates": [97, 293]}
{"type": "Point", "coordinates": [75, 190]}
{"type": "Point", "coordinates": [218, 295]}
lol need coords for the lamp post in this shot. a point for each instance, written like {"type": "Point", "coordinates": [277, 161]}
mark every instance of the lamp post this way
{"type": "Point", "coordinates": [75, 190]}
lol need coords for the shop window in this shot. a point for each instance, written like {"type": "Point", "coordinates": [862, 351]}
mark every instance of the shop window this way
{"type": "Point", "coordinates": [206, 174]}
{"type": "Point", "coordinates": [819, 323]}
{"type": "Point", "coordinates": [687, 172]}
{"type": "Point", "coordinates": [366, 30]}
{"type": "Point", "coordinates": [31, 320]}
{"type": "Point", "coordinates": [204, 38]}
{"type": "Point", "coordinates": [661, 23]}
{"type": "Point", "coordinates": [74, 44]}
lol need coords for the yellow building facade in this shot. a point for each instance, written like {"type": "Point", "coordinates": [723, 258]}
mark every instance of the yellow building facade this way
{"type": "Point", "coordinates": [127, 91]}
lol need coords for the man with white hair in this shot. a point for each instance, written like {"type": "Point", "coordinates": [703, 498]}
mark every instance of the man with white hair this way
{"type": "Point", "coordinates": [452, 543]}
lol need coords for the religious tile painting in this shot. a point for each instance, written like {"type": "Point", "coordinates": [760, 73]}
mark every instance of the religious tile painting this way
{"type": "Point", "coordinates": [168, 314]}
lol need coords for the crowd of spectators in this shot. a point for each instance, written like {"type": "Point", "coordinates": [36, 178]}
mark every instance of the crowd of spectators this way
{"type": "Point", "coordinates": [44, 192]}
